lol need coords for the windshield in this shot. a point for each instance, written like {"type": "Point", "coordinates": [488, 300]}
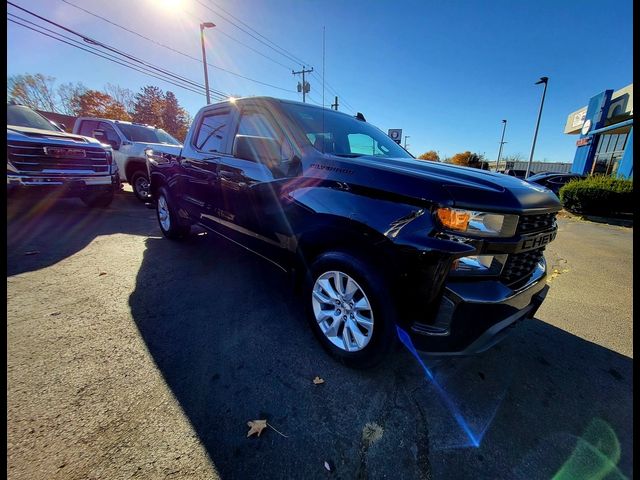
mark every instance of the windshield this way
{"type": "Point", "coordinates": [22, 116]}
{"type": "Point", "coordinates": [342, 135]}
{"type": "Point", "coordinates": [141, 133]}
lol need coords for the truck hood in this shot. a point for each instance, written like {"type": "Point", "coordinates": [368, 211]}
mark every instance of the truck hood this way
{"type": "Point", "coordinates": [26, 134]}
{"type": "Point", "coordinates": [457, 186]}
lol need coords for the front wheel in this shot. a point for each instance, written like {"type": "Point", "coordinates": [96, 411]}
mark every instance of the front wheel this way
{"type": "Point", "coordinates": [349, 309]}
{"type": "Point", "coordinates": [171, 225]}
{"type": "Point", "coordinates": [140, 185]}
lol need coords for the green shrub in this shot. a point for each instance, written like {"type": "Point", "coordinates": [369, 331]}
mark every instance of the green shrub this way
{"type": "Point", "coordinates": [599, 195]}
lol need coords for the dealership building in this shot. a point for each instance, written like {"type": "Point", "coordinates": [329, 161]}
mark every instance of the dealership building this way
{"type": "Point", "coordinates": [605, 134]}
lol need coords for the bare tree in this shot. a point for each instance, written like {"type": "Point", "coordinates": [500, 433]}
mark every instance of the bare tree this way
{"type": "Point", "coordinates": [121, 95]}
{"type": "Point", "coordinates": [35, 91]}
{"type": "Point", "coordinates": [69, 97]}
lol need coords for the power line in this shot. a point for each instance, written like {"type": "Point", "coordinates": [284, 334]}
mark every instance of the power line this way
{"type": "Point", "coordinates": [93, 41]}
{"type": "Point", "coordinates": [186, 54]}
{"type": "Point", "coordinates": [264, 40]}
{"type": "Point", "coordinates": [105, 55]}
{"type": "Point", "coordinates": [275, 46]}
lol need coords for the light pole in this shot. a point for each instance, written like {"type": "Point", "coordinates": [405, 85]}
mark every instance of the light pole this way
{"type": "Point", "coordinates": [502, 142]}
{"type": "Point", "coordinates": [204, 58]}
{"type": "Point", "coordinates": [405, 141]}
{"type": "Point", "coordinates": [544, 80]}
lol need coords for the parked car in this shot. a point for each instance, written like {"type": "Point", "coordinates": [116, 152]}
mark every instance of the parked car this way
{"type": "Point", "coordinates": [451, 255]}
{"type": "Point", "coordinates": [128, 140]}
{"type": "Point", "coordinates": [553, 181]}
{"type": "Point", "coordinates": [515, 173]}
{"type": "Point", "coordinates": [41, 157]}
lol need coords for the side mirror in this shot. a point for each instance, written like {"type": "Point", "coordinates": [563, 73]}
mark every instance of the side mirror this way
{"type": "Point", "coordinates": [101, 136]}
{"type": "Point", "coordinates": [63, 126]}
{"type": "Point", "coordinates": [258, 149]}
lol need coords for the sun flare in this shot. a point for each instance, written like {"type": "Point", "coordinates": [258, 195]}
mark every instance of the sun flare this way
{"type": "Point", "coordinates": [171, 4]}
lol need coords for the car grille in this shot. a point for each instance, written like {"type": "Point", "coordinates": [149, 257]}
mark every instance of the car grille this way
{"type": "Point", "coordinates": [535, 223]}
{"type": "Point", "coordinates": [30, 158]}
{"type": "Point", "coordinates": [520, 265]}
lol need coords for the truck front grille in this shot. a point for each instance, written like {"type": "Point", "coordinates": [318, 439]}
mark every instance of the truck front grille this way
{"type": "Point", "coordinates": [31, 159]}
{"type": "Point", "coordinates": [535, 223]}
{"type": "Point", "coordinates": [520, 265]}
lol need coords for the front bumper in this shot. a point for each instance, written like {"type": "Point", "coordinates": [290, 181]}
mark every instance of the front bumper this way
{"type": "Point", "coordinates": [474, 315]}
{"type": "Point", "coordinates": [71, 186]}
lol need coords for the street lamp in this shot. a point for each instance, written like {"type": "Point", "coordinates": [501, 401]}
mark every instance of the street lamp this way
{"type": "Point", "coordinates": [535, 134]}
{"type": "Point", "coordinates": [204, 58]}
{"type": "Point", "coordinates": [502, 142]}
{"type": "Point", "coordinates": [405, 141]}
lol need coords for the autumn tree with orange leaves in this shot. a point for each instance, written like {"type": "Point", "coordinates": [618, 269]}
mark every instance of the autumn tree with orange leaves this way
{"type": "Point", "coordinates": [468, 159]}
{"type": "Point", "coordinates": [93, 103]}
{"type": "Point", "coordinates": [431, 156]}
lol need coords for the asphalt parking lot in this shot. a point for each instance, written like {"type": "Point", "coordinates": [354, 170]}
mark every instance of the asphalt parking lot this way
{"type": "Point", "coordinates": [130, 356]}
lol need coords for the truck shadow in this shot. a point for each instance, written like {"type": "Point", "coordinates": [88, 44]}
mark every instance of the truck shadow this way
{"type": "Point", "coordinates": [42, 231]}
{"type": "Point", "coordinates": [232, 345]}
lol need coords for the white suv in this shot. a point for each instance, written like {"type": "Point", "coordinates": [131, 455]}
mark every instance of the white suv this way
{"type": "Point", "coordinates": [129, 140]}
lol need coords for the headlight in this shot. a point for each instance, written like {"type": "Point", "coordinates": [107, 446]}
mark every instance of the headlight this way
{"type": "Point", "coordinates": [482, 224]}
{"type": "Point", "coordinates": [479, 265]}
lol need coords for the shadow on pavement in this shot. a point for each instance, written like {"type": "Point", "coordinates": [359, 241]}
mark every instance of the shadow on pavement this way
{"type": "Point", "coordinates": [232, 345]}
{"type": "Point", "coordinates": [44, 230]}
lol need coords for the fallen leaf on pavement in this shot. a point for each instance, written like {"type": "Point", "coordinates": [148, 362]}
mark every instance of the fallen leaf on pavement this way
{"type": "Point", "coordinates": [32, 252]}
{"type": "Point", "coordinates": [318, 381]}
{"type": "Point", "coordinates": [327, 465]}
{"type": "Point", "coordinates": [102, 273]}
{"type": "Point", "coordinates": [256, 427]}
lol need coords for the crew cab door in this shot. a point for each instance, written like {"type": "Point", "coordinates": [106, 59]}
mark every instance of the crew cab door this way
{"type": "Point", "coordinates": [199, 183]}
{"type": "Point", "coordinates": [249, 186]}
{"type": "Point", "coordinates": [105, 133]}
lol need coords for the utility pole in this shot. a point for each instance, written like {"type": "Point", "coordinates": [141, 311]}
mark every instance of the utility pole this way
{"type": "Point", "coordinates": [204, 58]}
{"type": "Point", "coordinates": [305, 88]}
{"type": "Point", "coordinates": [502, 142]}
{"type": "Point", "coordinates": [334, 106]}
{"type": "Point", "coordinates": [535, 134]}
{"type": "Point", "coordinates": [405, 141]}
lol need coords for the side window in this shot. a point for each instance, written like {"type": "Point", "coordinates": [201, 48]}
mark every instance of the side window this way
{"type": "Point", "coordinates": [256, 123]}
{"type": "Point", "coordinates": [87, 127]}
{"type": "Point", "coordinates": [212, 131]}
{"type": "Point", "coordinates": [110, 132]}
{"type": "Point", "coordinates": [364, 145]}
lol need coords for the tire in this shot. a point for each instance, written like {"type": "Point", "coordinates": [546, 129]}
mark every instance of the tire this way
{"type": "Point", "coordinates": [140, 185]}
{"type": "Point", "coordinates": [171, 225]}
{"type": "Point", "coordinates": [100, 200]}
{"type": "Point", "coordinates": [363, 347]}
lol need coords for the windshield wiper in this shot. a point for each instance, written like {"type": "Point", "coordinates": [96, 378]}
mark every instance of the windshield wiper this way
{"type": "Point", "coordinates": [349, 155]}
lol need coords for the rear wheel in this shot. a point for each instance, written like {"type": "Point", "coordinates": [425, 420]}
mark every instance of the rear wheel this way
{"type": "Point", "coordinates": [349, 309]}
{"type": "Point", "coordinates": [140, 185]}
{"type": "Point", "coordinates": [171, 225]}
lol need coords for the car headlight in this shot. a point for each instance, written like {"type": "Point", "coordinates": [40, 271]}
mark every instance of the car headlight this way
{"type": "Point", "coordinates": [482, 224]}
{"type": "Point", "coordinates": [479, 265]}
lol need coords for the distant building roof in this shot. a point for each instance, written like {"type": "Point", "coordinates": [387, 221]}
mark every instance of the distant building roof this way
{"type": "Point", "coordinates": [68, 120]}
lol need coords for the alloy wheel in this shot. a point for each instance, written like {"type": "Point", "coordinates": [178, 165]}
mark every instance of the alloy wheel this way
{"type": "Point", "coordinates": [342, 310]}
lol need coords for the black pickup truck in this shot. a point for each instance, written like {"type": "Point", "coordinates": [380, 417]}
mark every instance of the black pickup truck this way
{"type": "Point", "coordinates": [451, 255]}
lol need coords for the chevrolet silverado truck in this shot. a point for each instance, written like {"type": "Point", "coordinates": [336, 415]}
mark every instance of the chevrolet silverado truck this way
{"type": "Point", "coordinates": [128, 141]}
{"type": "Point", "coordinates": [452, 256]}
{"type": "Point", "coordinates": [41, 158]}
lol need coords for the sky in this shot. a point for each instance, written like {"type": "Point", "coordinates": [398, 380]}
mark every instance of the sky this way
{"type": "Point", "coordinates": [446, 72]}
